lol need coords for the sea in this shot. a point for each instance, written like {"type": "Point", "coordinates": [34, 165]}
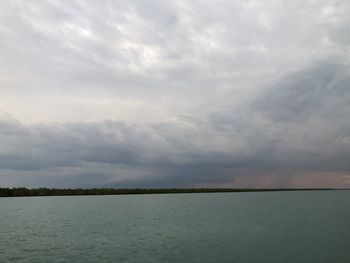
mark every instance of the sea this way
{"type": "Point", "coordinates": [267, 227]}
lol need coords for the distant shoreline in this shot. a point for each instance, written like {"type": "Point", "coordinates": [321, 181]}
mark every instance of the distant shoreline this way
{"type": "Point", "coordinates": [22, 192]}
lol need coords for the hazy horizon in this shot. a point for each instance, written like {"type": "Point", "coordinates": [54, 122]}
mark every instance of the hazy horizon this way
{"type": "Point", "coordinates": [175, 94]}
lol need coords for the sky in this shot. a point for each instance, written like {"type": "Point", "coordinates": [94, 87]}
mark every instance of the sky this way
{"type": "Point", "coordinates": [186, 93]}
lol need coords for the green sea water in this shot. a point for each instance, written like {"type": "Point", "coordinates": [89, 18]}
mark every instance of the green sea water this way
{"type": "Point", "coordinates": [305, 226]}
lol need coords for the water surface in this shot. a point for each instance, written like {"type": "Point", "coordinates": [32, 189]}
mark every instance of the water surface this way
{"type": "Point", "coordinates": [310, 226]}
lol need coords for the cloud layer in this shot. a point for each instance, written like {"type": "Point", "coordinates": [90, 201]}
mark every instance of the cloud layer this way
{"type": "Point", "coordinates": [175, 94]}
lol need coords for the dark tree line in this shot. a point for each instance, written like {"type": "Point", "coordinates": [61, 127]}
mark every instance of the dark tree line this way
{"type": "Point", "coordinates": [21, 191]}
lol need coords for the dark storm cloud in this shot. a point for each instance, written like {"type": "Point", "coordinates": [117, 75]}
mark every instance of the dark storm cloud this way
{"type": "Point", "coordinates": [320, 90]}
{"type": "Point", "coordinates": [168, 153]}
{"type": "Point", "coordinates": [297, 125]}
{"type": "Point", "coordinates": [308, 111]}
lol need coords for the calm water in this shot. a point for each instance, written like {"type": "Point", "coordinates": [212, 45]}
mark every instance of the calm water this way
{"type": "Point", "coordinates": [221, 227]}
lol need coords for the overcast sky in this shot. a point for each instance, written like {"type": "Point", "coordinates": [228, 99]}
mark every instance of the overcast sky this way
{"type": "Point", "coordinates": [140, 93]}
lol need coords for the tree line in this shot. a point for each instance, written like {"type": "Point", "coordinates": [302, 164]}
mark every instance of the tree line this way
{"type": "Point", "coordinates": [22, 191]}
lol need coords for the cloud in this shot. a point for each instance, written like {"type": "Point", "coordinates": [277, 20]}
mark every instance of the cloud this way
{"type": "Point", "coordinates": [110, 148]}
{"type": "Point", "coordinates": [309, 92]}
{"type": "Point", "coordinates": [139, 93]}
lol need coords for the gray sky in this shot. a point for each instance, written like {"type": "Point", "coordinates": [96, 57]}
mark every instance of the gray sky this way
{"type": "Point", "coordinates": [159, 93]}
